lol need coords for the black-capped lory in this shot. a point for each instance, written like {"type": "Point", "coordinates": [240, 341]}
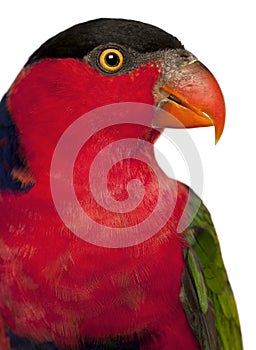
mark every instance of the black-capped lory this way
{"type": "Point", "coordinates": [99, 249]}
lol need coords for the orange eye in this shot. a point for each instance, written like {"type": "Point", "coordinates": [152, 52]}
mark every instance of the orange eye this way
{"type": "Point", "coordinates": [111, 60]}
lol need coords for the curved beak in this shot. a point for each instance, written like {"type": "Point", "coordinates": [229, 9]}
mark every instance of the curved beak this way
{"type": "Point", "coordinates": [192, 98]}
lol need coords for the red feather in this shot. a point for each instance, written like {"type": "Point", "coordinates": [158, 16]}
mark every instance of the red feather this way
{"type": "Point", "coordinates": [54, 285]}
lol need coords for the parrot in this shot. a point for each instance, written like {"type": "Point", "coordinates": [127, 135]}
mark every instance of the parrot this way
{"type": "Point", "coordinates": [69, 277]}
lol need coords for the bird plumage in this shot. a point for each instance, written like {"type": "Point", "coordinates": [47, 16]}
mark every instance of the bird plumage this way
{"type": "Point", "coordinates": [56, 288]}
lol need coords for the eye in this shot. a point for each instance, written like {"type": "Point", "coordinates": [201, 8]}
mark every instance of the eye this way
{"type": "Point", "coordinates": [111, 60]}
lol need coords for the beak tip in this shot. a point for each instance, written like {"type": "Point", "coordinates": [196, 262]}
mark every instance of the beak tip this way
{"type": "Point", "coordinates": [217, 137]}
{"type": "Point", "coordinates": [218, 133]}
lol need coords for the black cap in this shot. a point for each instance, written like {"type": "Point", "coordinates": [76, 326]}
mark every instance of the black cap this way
{"type": "Point", "coordinates": [82, 38]}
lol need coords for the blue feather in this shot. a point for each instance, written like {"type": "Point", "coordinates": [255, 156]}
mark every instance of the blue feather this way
{"type": "Point", "coordinates": [10, 156]}
{"type": "Point", "coordinates": [19, 343]}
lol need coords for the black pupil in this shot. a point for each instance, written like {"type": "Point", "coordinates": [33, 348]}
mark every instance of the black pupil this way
{"type": "Point", "coordinates": [112, 59]}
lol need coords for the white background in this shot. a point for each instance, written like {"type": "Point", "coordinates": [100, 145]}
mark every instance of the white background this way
{"type": "Point", "coordinates": [222, 35]}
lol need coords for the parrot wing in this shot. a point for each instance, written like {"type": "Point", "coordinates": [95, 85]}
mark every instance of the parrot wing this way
{"type": "Point", "coordinates": [14, 172]}
{"type": "Point", "coordinates": [206, 293]}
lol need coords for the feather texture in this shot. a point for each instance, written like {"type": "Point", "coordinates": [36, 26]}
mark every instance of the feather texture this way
{"type": "Point", "coordinates": [206, 293]}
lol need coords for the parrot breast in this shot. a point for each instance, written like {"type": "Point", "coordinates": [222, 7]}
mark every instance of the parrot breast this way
{"type": "Point", "coordinates": [56, 286]}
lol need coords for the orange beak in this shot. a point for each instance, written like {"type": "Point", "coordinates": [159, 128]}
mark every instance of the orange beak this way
{"type": "Point", "coordinates": [192, 98]}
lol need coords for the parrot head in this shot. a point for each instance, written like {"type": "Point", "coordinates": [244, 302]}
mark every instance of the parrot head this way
{"type": "Point", "coordinates": [107, 61]}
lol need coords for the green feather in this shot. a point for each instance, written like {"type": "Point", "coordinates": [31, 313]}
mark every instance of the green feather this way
{"type": "Point", "coordinates": [206, 293]}
{"type": "Point", "coordinates": [199, 281]}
